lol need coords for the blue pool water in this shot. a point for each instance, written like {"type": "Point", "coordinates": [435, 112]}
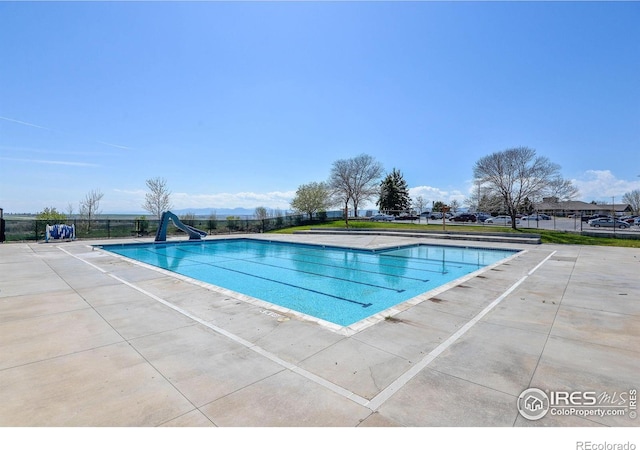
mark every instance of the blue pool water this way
{"type": "Point", "coordinates": [339, 285]}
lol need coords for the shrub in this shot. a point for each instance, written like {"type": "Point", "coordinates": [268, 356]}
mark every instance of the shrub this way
{"type": "Point", "coordinates": [51, 214]}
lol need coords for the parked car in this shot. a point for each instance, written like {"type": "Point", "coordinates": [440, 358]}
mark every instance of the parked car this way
{"type": "Point", "coordinates": [465, 217]}
{"type": "Point", "coordinates": [481, 216]}
{"type": "Point", "coordinates": [502, 220]}
{"type": "Point", "coordinates": [537, 217]}
{"type": "Point", "coordinates": [407, 217]}
{"type": "Point", "coordinates": [637, 221]}
{"type": "Point", "coordinates": [382, 218]}
{"type": "Point", "coordinates": [438, 215]}
{"type": "Point", "coordinates": [629, 219]}
{"type": "Point", "coordinates": [594, 216]}
{"type": "Point", "coordinates": [608, 222]}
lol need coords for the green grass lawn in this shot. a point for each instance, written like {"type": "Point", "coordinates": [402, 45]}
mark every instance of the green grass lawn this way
{"type": "Point", "coordinates": [547, 236]}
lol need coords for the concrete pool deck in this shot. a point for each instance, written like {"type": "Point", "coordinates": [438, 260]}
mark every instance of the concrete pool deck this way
{"type": "Point", "coordinates": [90, 339]}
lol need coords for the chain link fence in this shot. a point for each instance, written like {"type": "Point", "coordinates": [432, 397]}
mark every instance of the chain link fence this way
{"type": "Point", "coordinates": [25, 229]}
{"type": "Point", "coordinates": [34, 230]}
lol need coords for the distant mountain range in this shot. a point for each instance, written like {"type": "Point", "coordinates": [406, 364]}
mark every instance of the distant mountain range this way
{"type": "Point", "coordinates": [221, 213]}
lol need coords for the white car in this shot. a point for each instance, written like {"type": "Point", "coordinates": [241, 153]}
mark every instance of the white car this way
{"type": "Point", "coordinates": [382, 218]}
{"type": "Point", "coordinates": [608, 222]}
{"type": "Point", "coordinates": [502, 220]}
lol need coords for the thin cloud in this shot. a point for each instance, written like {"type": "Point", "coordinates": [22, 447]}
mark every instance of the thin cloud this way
{"type": "Point", "coordinates": [123, 147]}
{"type": "Point", "coordinates": [114, 145]}
{"type": "Point", "coordinates": [45, 161]}
{"type": "Point", "coordinates": [25, 123]}
{"type": "Point", "coordinates": [276, 199]}
{"type": "Point", "coordinates": [183, 200]}
{"type": "Point", "coordinates": [50, 151]}
{"type": "Point", "coordinates": [130, 192]}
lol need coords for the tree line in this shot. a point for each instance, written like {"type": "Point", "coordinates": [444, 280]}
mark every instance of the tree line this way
{"type": "Point", "coordinates": [508, 181]}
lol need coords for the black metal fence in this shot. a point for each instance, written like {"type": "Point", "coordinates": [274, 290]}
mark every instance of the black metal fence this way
{"type": "Point", "coordinates": [34, 230]}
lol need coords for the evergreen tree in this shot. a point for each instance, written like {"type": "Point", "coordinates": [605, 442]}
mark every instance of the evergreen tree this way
{"type": "Point", "coordinates": [394, 193]}
{"type": "Point", "coordinates": [437, 206]}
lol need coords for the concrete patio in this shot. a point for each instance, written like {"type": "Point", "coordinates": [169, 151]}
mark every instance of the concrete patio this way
{"type": "Point", "coordinates": [91, 339]}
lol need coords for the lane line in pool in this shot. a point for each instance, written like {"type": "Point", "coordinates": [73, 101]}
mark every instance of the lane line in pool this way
{"type": "Point", "coordinates": [352, 269]}
{"type": "Point", "coordinates": [314, 255]}
{"type": "Point", "coordinates": [252, 261]}
{"type": "Point", "coordinates": [377, 286]}
{"type": "Point", "coordinates": [371, 263]}
{"type": "Point", "coordinates": [247, 344]}
{"type": "Point", "coordinates": [403, 379]}
{"type": "Point", "coordinates": [417, 259]}
{"type": "Point", "coordinates": [364, 305]}
{"type": "Point", "coordinates": [378, 253]}
{"type": "Point", "coordinates": [344, 299]}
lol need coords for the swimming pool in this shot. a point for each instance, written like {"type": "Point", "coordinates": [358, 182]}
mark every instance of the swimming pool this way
{"type": "Point", "coordinates": [336, 284]}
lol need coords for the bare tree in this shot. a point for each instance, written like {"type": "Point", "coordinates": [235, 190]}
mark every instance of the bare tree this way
{"type": "Point", "coordinates": [419, 203]}
{"type": "Point", "coordinates": [455, 205]}
{"type": "Point", "coordinates": [514, 175]}
{"type": "Point", "coordinates": [562, 189]}
{"type": "Point", "coordinates": [90, 206]}
{"type": "Point", "coordinates": [339, 183]}
{"type": "Point", "coordinates": [188, 218]}
{"type": "Point", "coordinates": [261, 213]}
{"type": "Point", "coordinates": [212, 221]}
{"type": "Point", "coordinates": [158, 200]}
{"type": "Point", "coordinates": [633, 198]}
{"type": "Point", "coordinates": [485, 200]}
{"type": "Point", "coordinates": [312, 198]}
{"type": "Point", "coordinates": [355, 180]}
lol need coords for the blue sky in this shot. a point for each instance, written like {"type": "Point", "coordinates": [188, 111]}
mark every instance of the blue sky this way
{"type": "Point", "coordinates": [237, 104]}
